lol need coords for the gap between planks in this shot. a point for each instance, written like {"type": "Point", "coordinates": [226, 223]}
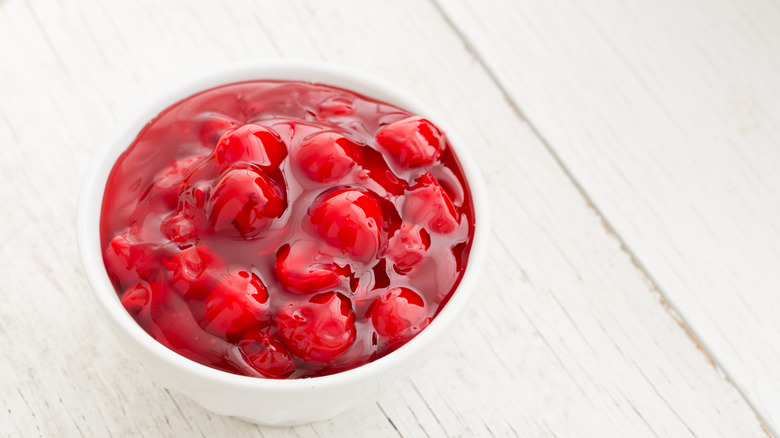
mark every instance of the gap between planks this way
{"type": "Point", "coordinates": [651, 282]}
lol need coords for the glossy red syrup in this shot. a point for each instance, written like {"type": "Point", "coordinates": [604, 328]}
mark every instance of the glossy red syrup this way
{"type": "Point", "coordinates": [285, 229]}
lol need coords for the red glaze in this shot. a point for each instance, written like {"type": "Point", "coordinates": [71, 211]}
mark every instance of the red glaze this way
{"type": "Point", "coordinates": [285, 230]}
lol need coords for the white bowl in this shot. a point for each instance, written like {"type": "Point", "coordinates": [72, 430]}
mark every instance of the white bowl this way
{"type": "Point", "coordinates": [268, 401]}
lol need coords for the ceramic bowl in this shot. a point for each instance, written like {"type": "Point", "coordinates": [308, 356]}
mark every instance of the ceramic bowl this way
{"type": "Point", "coordinates": [268, 401]}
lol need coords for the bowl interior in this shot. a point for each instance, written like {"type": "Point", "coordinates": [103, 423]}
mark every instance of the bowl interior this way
{"type": "Point", "coordinates": [123, 135]}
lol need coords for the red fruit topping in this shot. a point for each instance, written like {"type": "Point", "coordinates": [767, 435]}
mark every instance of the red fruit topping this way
{"type": "Point", "coordinates": [427, 204]}
{"type": "Point", "coordinates": [413, 141]}
{"type": "Point", "coordinates": [136, 298]}
{"type": "Point", "coordinates": [267, 355]}
{"type": "Point", "coordinates": [399, 314]}
{"type": "Point", "coordinates": [349, 220]}
{"type": "Point", "coordinates": [318, 330]}
{"type": "Point", "coordinates": [194, 270]}
{"type": "Point", "coordinates": [407, 247]}
{"type": "Point", "coordinates": [301, 268]}
{"type": "Point", "coordinates": [244, 202]}
{"type": "Point", "coordinates": [327, 157]}
{"type": "Point", "coordinates": [237, 302]}
{"type": "Point", "coordinates": [169, 181]}
{"type": "Point", "coordinates": [250, 143]}
{"type": "Point", "coordinates": [236, 256]}
{"type": "Point", "coordinates": [127, 262]}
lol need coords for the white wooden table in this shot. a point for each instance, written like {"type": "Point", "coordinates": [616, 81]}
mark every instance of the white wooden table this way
{"type": "Point", "coordinates": [632, 153]}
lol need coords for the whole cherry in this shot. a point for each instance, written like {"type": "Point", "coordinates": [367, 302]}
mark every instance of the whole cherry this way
{"type": "Point", "coordinates": [136, 298]}
{"type": "Point", "coordinates": [427, 203]}
{"type": "Point", "coordinates": [266, 355]}
{"type": "Point", "coordinates": [250, 143]}
{"type": "Point", "coordinates": [181, 228]}
{"type": "Point", "coordinates": [413, 141]}
{"type": "Point", "coordinates": [212, 128]}
{"type": "Point", "coordinates": [237, 302]}
{"type": "Point", "coordinates": [302, 268]}
{"type": "Point", "coordinates": [319, 329]}
{"type": "Point", "coordinates": [126, 261]}
{"type": "Point", "coordinates": [349, 220]}
{"type": "Point", "coordinates": [194, 270]}
{"type": "Point", "coordinates": [169, 181]}
{"type": "Point", "coordinates": [244, 202]}
{"type": "Point", "coordinates": [327, 156]}
{"type": "Point", "coordinates": [399, 314]}
{"type": "Point", "coordinates": [407, 247]}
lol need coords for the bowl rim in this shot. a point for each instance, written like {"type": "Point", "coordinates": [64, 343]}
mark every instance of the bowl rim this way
{"type": "Point", "coordinates": [93, 185]}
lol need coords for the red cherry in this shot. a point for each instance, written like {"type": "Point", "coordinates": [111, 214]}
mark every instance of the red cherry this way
{"type": "Point", "coordinates": [136, 298]}
{"type": "Point", "coordinates": [126, 262]}
{"type": "Point", "coordinates": [237, 302]}
{"type": "Point", "coordinates": [212, 128]}
{"type": "Point", "coordinates": [267, 356]}
{"type": "Point", "coordinates": [193, 270]}
{"type": "Point", "coordinates": [169, 181]}
{"type": "Point", "coordinates": [327, 156]}
{"type": "Point", "coordinates": [406, 248]}
{"type": "Point", "coordinates": [244, 202]}
{"type": "Point", "coordinates": [318, 330]}
{"type": "Point", "coordinates": [427, 204]}
{"type": "Point", "coordinates": [301, 268]}
{"type": "Point", "coordinates": [413, 141]}
{"type": "Point", "coordinates": [180, 227]}
{"type": "Point", "coordinates": [250, 143]}
{"type": "Point", "coordinates": [349, 220]}
{"type": "Point", "coordinates": [399, 314]}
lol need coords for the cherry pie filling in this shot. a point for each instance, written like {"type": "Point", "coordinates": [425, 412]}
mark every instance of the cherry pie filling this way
{"type": "Point", "coordinates": [285, 229]}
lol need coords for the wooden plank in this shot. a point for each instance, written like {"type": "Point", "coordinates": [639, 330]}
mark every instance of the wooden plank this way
{"type": "Point", "coordinates": [566, 335]}
{"type": "Point", "coordinates": [668, 115]}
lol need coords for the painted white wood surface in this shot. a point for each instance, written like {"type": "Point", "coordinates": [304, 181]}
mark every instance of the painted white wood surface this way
{"type": "Point", "coordinates": [567, 335]}
{"type": "Point", "coordinates": [667, 114]}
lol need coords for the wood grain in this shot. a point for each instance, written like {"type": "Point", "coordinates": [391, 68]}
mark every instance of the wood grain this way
{"type": "Point", "coordinates": [567, 336]}
{"type": "Point", "coordinates": [667, 114]}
